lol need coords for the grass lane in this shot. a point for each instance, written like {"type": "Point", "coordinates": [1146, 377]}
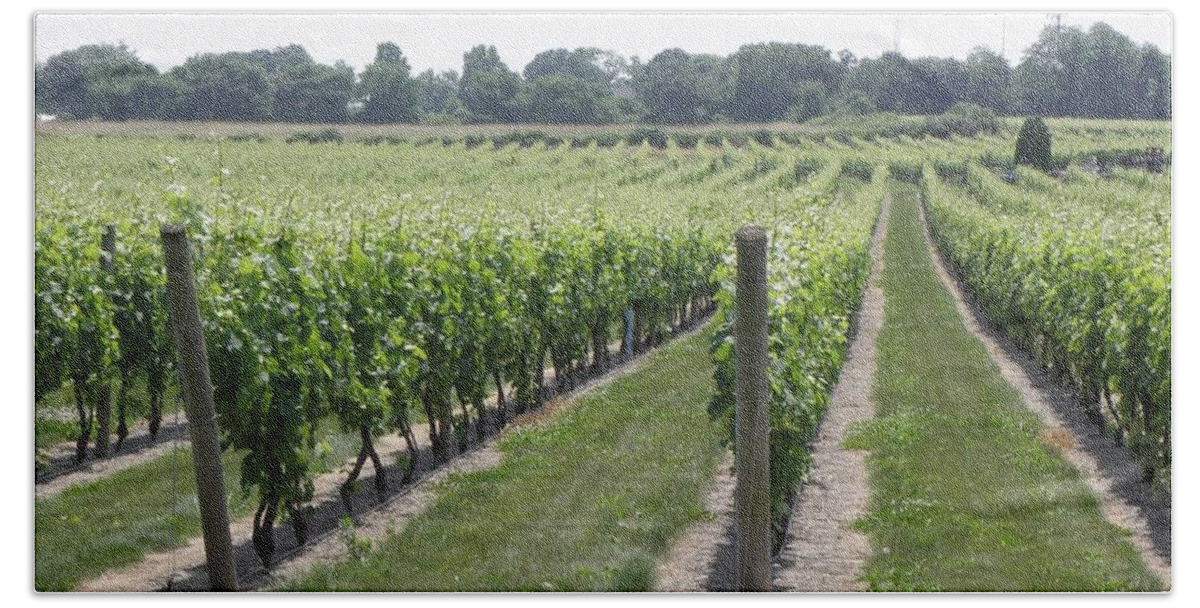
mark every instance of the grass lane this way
{"type": "Point", "coordinates": [589, 501]}
{"type": "Point", "coordinates": [110, 523]}
{"type": "Point", "coordinates": [964, 496]}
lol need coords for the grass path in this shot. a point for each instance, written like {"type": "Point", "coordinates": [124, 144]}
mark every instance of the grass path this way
{"type": "Point", "coordinates": [965, 496]}
{"type": "Point", "coordinates": [589, 500]}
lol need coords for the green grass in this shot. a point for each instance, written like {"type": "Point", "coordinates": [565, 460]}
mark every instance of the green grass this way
{"type": "Point", "coordinates": [91, 528]}
{"type": "Point", "coordinates": [587, 502]}
{"type": "Point", "coordinates": [964, 496]}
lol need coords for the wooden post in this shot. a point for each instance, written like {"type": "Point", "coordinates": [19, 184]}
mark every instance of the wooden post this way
{"type": "Point", "coordinates": [201, 412]}
{"type": "Point", "coordinates": [752, 495]}
{"type": "Point", "coordinates": [108, 245]}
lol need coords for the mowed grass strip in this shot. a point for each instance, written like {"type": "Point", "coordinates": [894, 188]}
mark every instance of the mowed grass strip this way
{"type": "Point", "coordinates": [587, 501]}
{"type": "Point", "coordinates": [964, 496]}
{"type": "Point", "coordinates": [113, 522]}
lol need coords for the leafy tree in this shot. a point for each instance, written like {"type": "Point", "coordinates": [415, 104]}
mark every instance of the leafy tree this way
{"type": "Point", "coordinates": [1033, 145]}
{"type": "Point", "coordinates": [306, 91]}
{"type": "Point", "coordinates": [946, 79]}
{"type": "Point", "coordinates": [989, 80]}
{"type": "Point", "coordinates": [562, 98]}
{"type": "Point", "coordinates": [895, 84]}
{"type": "Point", "coordinates": [680, 88]}
{"type": "Point", "coordinates": [391, 94]}
{"type": "Point", "coordinates": [99, 81]}
{"type": "Point", "coordinates": [438, 94]}
{"type": "Point", "coordinates": [768, 78]}
{"type": "Point", "coordinates": [228, 86]}
{"type": "Point", "coordinates": [582, 63]}
{"type": "Point", "coordinates": [488, 88]}
{"type": "Point", "coordinates": [1154, 83]}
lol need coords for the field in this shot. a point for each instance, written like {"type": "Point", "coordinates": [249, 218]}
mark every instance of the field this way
{"type": "Point", "coordinates": [530, 330]}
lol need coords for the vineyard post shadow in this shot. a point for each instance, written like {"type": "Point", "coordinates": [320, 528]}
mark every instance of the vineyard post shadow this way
{"type": "Point", "coordinates": [752, 495]}
{"type": "Point", "coordinates": [201, 413]}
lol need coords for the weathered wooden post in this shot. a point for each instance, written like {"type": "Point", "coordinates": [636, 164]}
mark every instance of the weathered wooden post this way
{"type": "Point", "coordinates": [201, 411]}
{"type": "Point", "coordinates": [108, 245]}
{"type": "Point", "coordinates": [752, 495]}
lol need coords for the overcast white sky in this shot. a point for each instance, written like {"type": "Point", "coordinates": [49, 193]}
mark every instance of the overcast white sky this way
{"type": "Point", "coordinates": [439, 40]}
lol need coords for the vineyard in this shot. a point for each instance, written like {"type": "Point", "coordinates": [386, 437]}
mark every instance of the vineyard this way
{"type": "Point", "coordinates": [405, 301]}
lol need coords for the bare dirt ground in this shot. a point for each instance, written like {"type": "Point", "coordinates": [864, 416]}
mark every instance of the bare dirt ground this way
{"type": "Point", "coordinates": [183, 568]}
{"type": "Point", "coordinates": [1108, 469]}
{"type": "Point", "coordinates": [694, 555]}
{"type": "Point", "coordinates": [823, 551]}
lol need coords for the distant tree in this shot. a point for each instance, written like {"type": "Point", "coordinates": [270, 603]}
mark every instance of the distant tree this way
{"type": "Point", "coordinates": [1109, 74]}
{"type": "Point", "coordinates": [852, 103]}
{"type": "Point", "coordinates": [1033, 145]}
{"type": "Point", "coordinates": [679, 88]}
{"type": "Point", "coordinates": [1069, 72]}
{"type": "Point", "coordinates": [306, 91]}
{"type": "Point", "coordinates": [488, 88]}
{"type": "Point", "coordinates": [946, 79]}
{"type": "Point", "coordinates": [438, 94]}
{"type": "Point", "coordinates": [227, 86]}
{"type": "Point", "coordinates": [1154, 84]}
{"type": "Point", "coordinates": [582, 63]}
{"type": "Point", "coordinates": [894, 84]}
{"type": "Point", "coordinates": [989, 80]}
{"type": "Point", "coordinates": [570, 86]}
{"type": "Point", "coordinates": [768, 78]}
{"type": "Point", "coordinates": [99, 81]}
{"type": "Point", "coordinates": [811, 101]}
{"type": "Point", "coordinates": [562, 98]}
{"type": "Point", "coordinates": [391, 95]}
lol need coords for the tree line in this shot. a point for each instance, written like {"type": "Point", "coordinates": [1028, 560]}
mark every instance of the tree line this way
{"type": "Point", "coordinates": [1097, 73]}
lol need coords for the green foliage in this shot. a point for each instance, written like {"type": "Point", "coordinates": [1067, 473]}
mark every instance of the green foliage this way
{"type": "Point", "coordinates": [324, 136]}
{"type": "Point", "coordinates": [488, 88]}
{"type": "Point", "coordinates": [858, 168]}
{"type": "Point", "coordinates": [963, 119]}
{"type": "Point", "coordinates": [563, 98]}
{"type": "Point", "coordinates": [655, 138]}
{"type": "Point", "coordinates": [686, 141]}
{"type": "Point", "coordinates": [391, 94]}
{"type": "Point", "coordinates": [960, 469]}
{"type": "Point", "coordinates": [1033, 145]}
{"type": "Point", "coordinates": [1084, 286]}
{"type": "Point", "coordinates": [910, 173]}
{"type": "Point", "coordinates": [955, 174]}
{"type": "Point", "coordinates": [817, 269]}
{"type": "Point", "coordinates": [806, 168]}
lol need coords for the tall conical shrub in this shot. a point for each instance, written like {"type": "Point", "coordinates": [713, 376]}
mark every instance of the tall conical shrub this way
{"type": "Point", "coordinates": [1033, 145]}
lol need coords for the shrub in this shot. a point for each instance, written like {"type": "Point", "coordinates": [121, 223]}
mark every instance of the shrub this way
{"type": "Point", "coordinates": [737, 139]}
{"type": "Point", "coordinates": [966, 119]}
{"type": "Point", "coordinates": [996, 162]}
{"type": "Point", "coordinates": [806, 168]}
{"type": "Point", "coordinates": [955, 174]}
{"type": "Point", "coordinates": [763, 137]}
{"type": "Point", "coordinates": [244, 137]}
{"type": "Point", "coordinates": [857, 168]}
{"type": "Point", "coordinates": [657, 138]}
{"type": "Point", "coordinates": [715, 138]}
{"type": "Point", "coordinates": [791, 139]}
{"type": "Point", "coordinates": [686, 140]}
{"type": "Point", "coordinates": [316, 137]}
{"type": "Point", "coordinates": [608, 140]}
{"type": "Point", "coordinates": [473, 141]}
{"type": "Point", "coordinates": [911, 173]}
{"type": "Point", "coordinates": [1033, 145]}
